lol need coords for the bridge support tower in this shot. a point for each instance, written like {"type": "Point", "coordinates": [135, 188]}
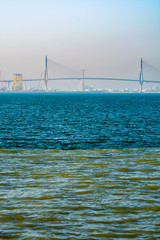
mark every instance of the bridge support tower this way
{"type": "Point", "coordinates": [46, 74]}
{"type": "Point", "coordinates": [141, 80]}
{"type": "Point", "coordinates": [82, 84]}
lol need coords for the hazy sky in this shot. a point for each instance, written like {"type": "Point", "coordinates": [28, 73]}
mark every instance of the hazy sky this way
{"type": "Point", "coordinates": [107, 37]}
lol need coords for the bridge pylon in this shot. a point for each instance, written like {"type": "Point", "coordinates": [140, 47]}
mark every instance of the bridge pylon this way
{"type": "Point", "coordinates": [141, 79]}
{"type": "Point", "coordinates": [46, 74]}
{"type": "Point", "coordinates": [82, 84]}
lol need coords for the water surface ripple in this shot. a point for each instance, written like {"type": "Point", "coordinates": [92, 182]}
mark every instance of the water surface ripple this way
{"type": "Point", "coordinates": [80, 194]}
{"type": "Point", "coordinates": [79, 121]}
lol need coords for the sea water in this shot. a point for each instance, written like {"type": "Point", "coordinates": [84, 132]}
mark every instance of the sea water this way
{"type": "Point", "coordinates": [79, 166]}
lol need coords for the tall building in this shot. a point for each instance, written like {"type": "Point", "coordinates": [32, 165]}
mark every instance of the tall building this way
{"type": "Point", "coordinates": [17, 82]}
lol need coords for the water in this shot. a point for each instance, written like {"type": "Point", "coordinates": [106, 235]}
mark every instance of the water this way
{"type": "Point", "coordinates": [106, 187]}
{"type": "Point", "coordinates": [79, 121]}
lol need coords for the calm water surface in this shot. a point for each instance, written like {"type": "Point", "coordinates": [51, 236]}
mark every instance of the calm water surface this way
{"type": "Point", "coordinates": [106, 187]}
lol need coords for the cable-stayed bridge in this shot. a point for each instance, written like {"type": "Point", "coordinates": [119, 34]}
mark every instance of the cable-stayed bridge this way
{"type": "Point", "coordinates": [147, 74]}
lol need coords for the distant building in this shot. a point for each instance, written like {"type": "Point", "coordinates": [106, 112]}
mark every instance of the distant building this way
{"type": "Point", "coordinates": [17, 82]}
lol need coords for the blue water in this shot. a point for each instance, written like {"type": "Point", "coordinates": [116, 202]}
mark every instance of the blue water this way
{"type": "Point", "coordinates": [79, 121]}
{"type": "Point", "coordinates": [79, 166]}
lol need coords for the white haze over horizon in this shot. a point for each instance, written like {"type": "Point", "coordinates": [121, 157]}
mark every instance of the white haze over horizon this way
{"type": "Point", "coordinates": [107, 38]}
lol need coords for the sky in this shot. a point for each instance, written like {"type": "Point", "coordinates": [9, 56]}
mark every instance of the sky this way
{"type": "Point", "coordinates": [106, 37]}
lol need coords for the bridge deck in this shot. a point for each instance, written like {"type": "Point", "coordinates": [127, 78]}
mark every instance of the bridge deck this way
{"type": "Point", "coordinates": [80, 78]}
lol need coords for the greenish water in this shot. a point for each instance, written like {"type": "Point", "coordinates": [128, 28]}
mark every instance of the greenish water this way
{"type": "Point", "coordinates": [80, 194]}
